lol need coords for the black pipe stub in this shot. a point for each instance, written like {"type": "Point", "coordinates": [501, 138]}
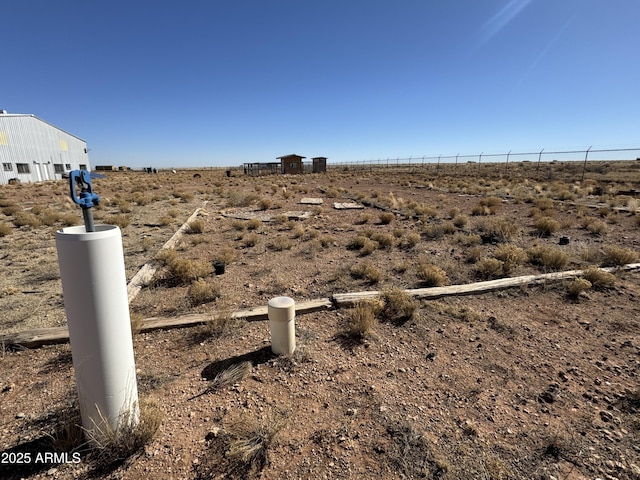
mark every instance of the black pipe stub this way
{"type": "Point", "coordinates": [564, 240]}
{"type": "Point", "coordinates": [218, 267]}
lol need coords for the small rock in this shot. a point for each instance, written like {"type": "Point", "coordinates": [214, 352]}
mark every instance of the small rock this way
{"type": "Point", "coordinates": [606, 416]}
{"type": "Point", "coordinates": [550, 395]}
{"type": "Point", "coordinates": [20, 415]}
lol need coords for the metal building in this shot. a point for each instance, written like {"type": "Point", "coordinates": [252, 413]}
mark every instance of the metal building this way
{"type": "Point", "coordinates": [32, 150]}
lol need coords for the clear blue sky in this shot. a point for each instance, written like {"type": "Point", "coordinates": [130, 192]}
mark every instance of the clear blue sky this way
{"type": "Point", "coordinates": [213, 82]}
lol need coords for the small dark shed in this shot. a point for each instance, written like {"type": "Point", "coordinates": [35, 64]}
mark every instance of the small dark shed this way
{"type": "Point", "coordinates": [291, 163]}
{"type": "Point", "coordinates": [319, 164]}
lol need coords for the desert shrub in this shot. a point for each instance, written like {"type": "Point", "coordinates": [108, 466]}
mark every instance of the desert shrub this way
{"type": "Point", "coordinates": [239, 198]}
{"type": "Point", "coordinates": [166, 220]}
{"type": "Point", "coordinates": [280, 219]}
{"type": "Point", "coordinates": [22, 219]}
{"type": "Point", "coordinates": [431, 275]}
{"type": "Point", "coordinates": [435, 231]}
{"type": "Point", "coordinates": [474, 254]}
{"type": "Point", "coordinates": [196, 226]}
{"type": "Point", "coordinates": [497, 229]}
{"type": "Point", "coordinates": [423, 210]}
{"type": "Point", "coordinates": [201, 291]}
{"type": "Point", "coordinates": [578, 286]}
{"type": "Point", "coordinates": [326, 240]}
{"type": "Point", "coordinates": [511, 257]}
{"type": "Point", "coordinates": [636, 220]}
{"type": "Point", "coordinates": [239, 225]}
{"type": "Point", "coordinates": [166, 256]}
{"type": "Point", "coordinates": [546, 225]}
{"type": "Point", "coordinates": [594, 226]}
{"type": "Point", "coordinates": [384, 240]}
{"type": "Point", "coordinates": [250, 240]}
{"type": "Point", "coordinates": [478, 210]}
{"type": "Point", "coordinates": [124, 206]}
{"type": "Point", "coordinates": [543, 203]}
{"type": "Point", "coordinates": [70, 219]}
{"type": "Point", "coordinates": [11, 209]}
{"type": "Point", "coordinates": [366, 271]}
{"type": "Point", "coordinates": [488, 268]}
{"type": "Point", "coordinates": [362, 319]}
{"type": "Point", "coordinates": [184, 271]}
{"type": "Point", "coordinates": [598, 277]}
{"type": "Point", "coordinates": [550, 258]}
{"type": "Point", "coordinates": [412, 239]}
{"type": "Point", "coordinates": [460, 221]}
{"type": "Point", "coordinates": [615, 256]}
{"type": "Point", "coordinates": [368, 247]}
{"type": "Point", "coordinates": [386, 218]}
{"type": "Point", "coordinates": [264, 204]}
{"type": "Point", "coordinates": [362, 219]}
{"type": "Point", "coordinates": [121, 220]}
{"type": "Point", "coordinates": [467, 239]}
{"type": "Point", "coordinates": [397, 306]}
{"type": "Point", "coordinates": [331, 192]}
{"type": "Point", "coordinates": [491, 201]}
{"type": "Point", "coordinates": [254, 224]}
{"type": "Point", "coordinates": [5, 229]}
{"type": "Point", "coordinates": [280, 243]}
{"type": "Point", "coordinates": [48, 216]}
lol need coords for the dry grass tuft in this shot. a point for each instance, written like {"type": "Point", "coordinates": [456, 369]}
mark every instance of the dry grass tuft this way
{"type": "Point", "coordinates": [598, 277]}
{"type": "Point", "coordinates": [196, 226]}
{"type": "Point", "coordinates": [5, 229]}
{"type": "Point", "coordinates": [24, 219]}
{"type": "Point", "coordinates": [397, 306]}
{"type": "Point", "coordinates": [550, 258]}
{"type": "Point", "coordinates": [366, 271]}
{"type": "Point", "coordinates": [497, 229]}
{"type": "Point", "coordinates": [230, 376]}
{"type": "Point", "coordinates": [546, 226]}
{"type": "Point", "coordinates": [488, 268]}
{"type": "Point", "coordinates": [511, 257]}
{"type": "Point", "coordinates": [386, 218]}
{"type": "Point", "coordinates": [362, 319]}
{"type": "Point", "coordinates": [578, 286]}
{"type": "Point", "coordinates": [201, 292]}
{"type": "Point", "coordinates": [431, 275]}
{"type": "Point", "coordinates": [615, 256]}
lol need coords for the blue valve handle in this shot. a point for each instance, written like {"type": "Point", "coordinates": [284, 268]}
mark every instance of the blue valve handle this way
{"type": "Point", "coordinates": [87, 197]}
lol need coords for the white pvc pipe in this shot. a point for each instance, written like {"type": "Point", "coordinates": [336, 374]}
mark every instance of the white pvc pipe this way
{"type": "Point", "coordinates": [94, 285]}
{"type": "Point", "coordinates": [282, 314]}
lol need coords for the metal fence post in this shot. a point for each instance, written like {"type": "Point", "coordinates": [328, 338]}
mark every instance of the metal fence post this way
{"type": "Point", "coordinates": [584, 167]}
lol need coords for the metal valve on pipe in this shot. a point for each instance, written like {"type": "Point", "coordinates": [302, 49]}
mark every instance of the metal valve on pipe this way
{"type": "Point", "coordinates": [87, 198]}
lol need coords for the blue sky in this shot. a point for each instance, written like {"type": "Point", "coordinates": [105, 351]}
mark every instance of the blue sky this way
{"type": "Point", "coordinates": [200, 83]}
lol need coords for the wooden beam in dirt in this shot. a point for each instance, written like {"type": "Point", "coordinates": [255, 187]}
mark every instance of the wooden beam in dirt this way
{"type": "Point", "coordinates": [145, 274]}
{"type": "Point", "coordinates": [432, 293]}
{"type": "Point", "coordinates": [50, 336]}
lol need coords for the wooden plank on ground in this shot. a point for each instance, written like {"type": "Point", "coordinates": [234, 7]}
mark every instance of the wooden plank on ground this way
{"type": "Point", "coordinates": [50, 336]}
{"type": "Point", "coordinates": [347, 206]}
{"type": "Point", "coordinates": [312, 201]}
{"type": "Point", "coordinates": [348, 299]}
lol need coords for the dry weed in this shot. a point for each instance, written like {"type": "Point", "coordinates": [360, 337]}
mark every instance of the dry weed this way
{"type": "Point", "coordinates": [431, 275]}
{"type": "Point", "coordinates": [615, 256]}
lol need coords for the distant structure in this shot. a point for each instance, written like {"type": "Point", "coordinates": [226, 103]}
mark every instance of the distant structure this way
{"type": "Point", "coordinates": [33, 150]}
{"type": "Point", "coordinates": [291, 164]}
{"type": "Point", "coordinates": [288, 164]}
{"type": "Point", "coordinates": [319, 164]}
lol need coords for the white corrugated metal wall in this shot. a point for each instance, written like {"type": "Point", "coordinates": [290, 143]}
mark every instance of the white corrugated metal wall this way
{"type": "Point", "coordinates": [33, 150]}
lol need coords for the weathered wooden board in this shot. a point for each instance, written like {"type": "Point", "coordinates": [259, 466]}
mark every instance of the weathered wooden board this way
{"type": "Point", "coordinates": [267, 217]}
{"type": "Point", "coordinates": [348, 299]}
{"type": "Point", "coordinates": [50, 336]}
{"type": "Point", "coordinates": [312, 201]}
{"type": "Point", "coordinates": [347, 206]}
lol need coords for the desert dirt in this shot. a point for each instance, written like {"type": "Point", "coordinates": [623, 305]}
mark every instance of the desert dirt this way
{"type": "Point", "coordinates": [522, 383]}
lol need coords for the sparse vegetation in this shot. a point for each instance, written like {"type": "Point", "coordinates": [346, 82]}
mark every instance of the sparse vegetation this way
{"type": "Point", "coordinates": [397, 306]}
{"type": "Point", "coordinates": [431, 275]}
{"type": "Point", "coordinates": [615, 256]}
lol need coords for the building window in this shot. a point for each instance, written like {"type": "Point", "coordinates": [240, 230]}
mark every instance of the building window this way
{"type": "Point", "coordinates": [7, 167]}
{"type": "Point", "coordinates": [58, 168]}
{"type": "Point", "coordinates": [292, 165]}
{"type": "Point", "coordinates": [23, 168]}
{"type": "Point", "coordinates": [83, 166]}
{"type": "Point", "coordinates": [67, 166]}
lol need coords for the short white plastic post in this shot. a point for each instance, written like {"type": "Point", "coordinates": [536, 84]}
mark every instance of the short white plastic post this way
{"type": "Point", "coordinates": [94, 285]}
{"type": "Point", "coordinates": [282, 316]}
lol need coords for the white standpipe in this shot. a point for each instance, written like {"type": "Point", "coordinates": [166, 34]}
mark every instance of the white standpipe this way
{"type": "Point", "coordinates": [282, 316]}
{"type": "Point", "coordinates": [94, 285]}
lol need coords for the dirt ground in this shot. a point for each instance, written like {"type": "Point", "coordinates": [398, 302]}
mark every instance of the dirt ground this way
{"type": "Point", "coordinates": [523, 383]}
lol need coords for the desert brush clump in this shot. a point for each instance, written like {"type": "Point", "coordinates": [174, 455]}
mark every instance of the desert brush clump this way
{"type": "Point", "coordinates": [366, 270]}
{"type": "Point", "coordinates": [397, 306]}
{"type": "Point", "coordinates": [550, 258]}
{"type": "Point", "coordinates": [361, 319]}
{"type": "Point", "coordinates": [5, 229]}
{"type": "Point", "coordinates": [546, 226]}
{"type": "Point", "coordinates": [386, 218]}
{"type": "Point", "coordinates": [615, 256]}
{"type": "Point", "coordinates": [598, 278]}
{"type": "Point", "coordinates": [201, 291]}
{"type": "Point", "coordinates": [488, 268]}
{"type": "Point", "coordinates": [196, 226]}
{"type": "Point", "coordinates": [578, 286]}
{"type": "Point", "coordinates": [184, 271]}
{"type": "Point", "coordinates": [511, 257]}
{"type": "Point", "coordinates": [431, 275]}
{"type": "Point", "coordinates": [26, 219]}
{"type": "Point", "coordinates": [496, 229]}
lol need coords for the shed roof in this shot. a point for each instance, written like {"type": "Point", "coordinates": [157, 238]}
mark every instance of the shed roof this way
{"type": "Point", "coordinates": [4, 114]}
{"type": "Point", "coordinates": [292, 155]}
